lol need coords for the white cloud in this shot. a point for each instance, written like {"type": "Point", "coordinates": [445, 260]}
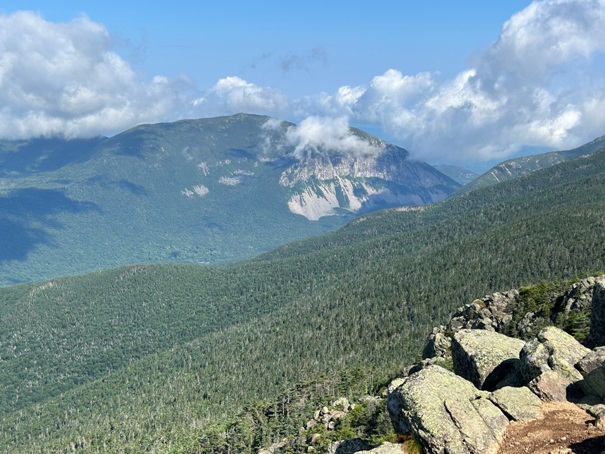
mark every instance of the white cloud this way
{"type": "Point", "coordinates": [64, 78]}
{"type": "Point", "coordinates": [538, 85]}
{"type": "Point", "coordinates": [535, 86]}
{"type": "Point", "coordinates": [232, 95]}
{"type": "Point", "coordinates": [326, 134]}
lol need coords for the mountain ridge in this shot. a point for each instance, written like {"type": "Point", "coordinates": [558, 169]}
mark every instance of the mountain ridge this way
{"type": "Point", "coordinates": [205, 190]}
{"type": "Point", "coordinates": [513, 168]}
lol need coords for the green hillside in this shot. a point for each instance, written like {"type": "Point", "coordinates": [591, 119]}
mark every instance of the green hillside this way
{"type": "Point", "coordinates": [195, 191]}
{"type": "Point", "coordinates": [162, 358]}
{"type": "Point", "coordinates": [524, 165]}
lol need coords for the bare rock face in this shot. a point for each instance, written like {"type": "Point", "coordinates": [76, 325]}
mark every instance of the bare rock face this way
{"type": "Point", "coordinates": [324, 184]}
{"type": "Point", "coordinates": [551, 386]}
{"type": "Point", "coordinates": [349, 446]}
{"type": "Point", "coordinates": [484, 357]}
{"type": "Point", "coordinates": [591, 361]}
{"type": "Point", "coordinates": [554, 350]}
{"type": "Point", "coordinates": [594, 382]}
{"type": "Point", "coordinates": [488, 313]}
{"type": "Point", "coordinates": [596, 337]}
{"type": "Point", "coordinates": [448, 414]}
{"type": "Point", "coordinates": [520, 404]}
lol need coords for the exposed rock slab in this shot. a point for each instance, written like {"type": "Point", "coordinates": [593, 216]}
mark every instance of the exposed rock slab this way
{"type": "Point", "coordinates": [591, 361]}
{"type": "Point", "coordinates": [554, 350]}
{"type": "Point", "coordinates": [551, 386]}
{"type": "Point", "coordinates": [594, 382]}
{"type": "Point", "coordinates": [349, 446]}
{"type": "Point", "coordinates": [564, 347]}
{"type": "Point", "coordinates": [484, 357]}
{"type": "Point", "coordinates": [519, 403]}
{"type": "Point", "coordinates": [448, 414]}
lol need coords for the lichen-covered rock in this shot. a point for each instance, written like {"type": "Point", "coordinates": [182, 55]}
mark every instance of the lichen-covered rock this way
{"type": "Point", "coordinates": [564, 347]}
{"type": "Point", "coordinates": [591, 361]}
{"type": "Point", "coordinates": [487, 313]}
{"type": "Point", "coordinates": [442, 411]}
{"type": "Point", "coordinates": [484, 357]}
{"type": "Point", "coordinates": [555, 350]}
{"type": "Point", "coordinates": [552, 386]}
{"type": "Point", "coordinates": [597, 316]}
{"type": "Point", "coordinates": [438, 344]}
{"type": "Point", "coordinates": [594, 382]}
{"type": "Point", "coordinates": [518, 403]}
{"type": "Point", "coordinates": [349, 446]}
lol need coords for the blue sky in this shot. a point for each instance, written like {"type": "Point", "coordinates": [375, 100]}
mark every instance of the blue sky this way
{"type": "Point", "coordinates": [464, 81]}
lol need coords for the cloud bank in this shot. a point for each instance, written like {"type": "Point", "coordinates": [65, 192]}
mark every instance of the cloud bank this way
{"type": "Point", "coordinates": [64, 78]}
{"type": "Point", "coordinates": [540, 84]}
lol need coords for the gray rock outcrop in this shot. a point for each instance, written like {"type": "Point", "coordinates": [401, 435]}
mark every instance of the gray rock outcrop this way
{"type": "Point", "coordinates": [484, 357]}
{"type": "Point", "coordinates": [547, 364]}
{"type": "Point", "coordinates": [520, 404]}
{"type": "Point", "coordinates": [448, 414]}
{"type": "Point", "coordinates": [597, 318]}
{"type": "Point", "coordinates": [594, 382]}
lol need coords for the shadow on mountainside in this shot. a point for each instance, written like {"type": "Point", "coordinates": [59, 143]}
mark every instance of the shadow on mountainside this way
{"type": "Point", "coordinates": [27, 217]}
{"type": "Point", "coordinates": [46, 154]}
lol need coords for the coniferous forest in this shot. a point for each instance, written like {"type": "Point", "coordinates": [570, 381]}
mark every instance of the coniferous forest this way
{"type": "Point", "coordinates": [191, 358]}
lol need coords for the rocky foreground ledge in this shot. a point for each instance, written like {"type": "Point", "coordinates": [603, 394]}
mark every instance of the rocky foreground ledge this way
{"type": "Point", "coordinates": [499, 377]}
{"type": "Point", "coordinates": [475, 381]}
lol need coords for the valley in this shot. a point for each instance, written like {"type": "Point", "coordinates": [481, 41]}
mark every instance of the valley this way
{"type": "Point", "coordinates": [163, 357]}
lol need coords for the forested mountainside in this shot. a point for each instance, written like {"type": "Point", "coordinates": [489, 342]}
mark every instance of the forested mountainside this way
{"type": "Point", "coordinates": [162, 357]}
{"type": "Point", "coordinates": [209, 191]}
{"type": "Point", "coordinates": [513, 168]}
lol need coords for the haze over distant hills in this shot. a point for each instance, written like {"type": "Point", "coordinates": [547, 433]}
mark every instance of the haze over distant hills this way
{"type": "Point", "coordinates": [198, 191]}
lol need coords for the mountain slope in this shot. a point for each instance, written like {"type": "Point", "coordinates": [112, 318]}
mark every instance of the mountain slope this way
{"type": "Point", "coordinates": [158, 357]}
{"type": "Point", "coordinates": [513, 168]}
{"type": "Point", "coordinates": [195, 191]}
{"type": "Point", "coordinates": [458, 174]}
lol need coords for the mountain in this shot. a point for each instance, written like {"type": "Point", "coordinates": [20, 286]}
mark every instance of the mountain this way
{"type": "Point", "coordinates": [458, 174]}
{"type": "Point", "coordinates": [195, 191]}
{"type": "Point", "coordinates": [190, 358]}
{"type": "Point", "coordinates": [513, 168]}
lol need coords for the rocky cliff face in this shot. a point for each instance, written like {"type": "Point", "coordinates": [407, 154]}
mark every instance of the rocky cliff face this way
{"type": "Point", "coordinates": [324, 184]}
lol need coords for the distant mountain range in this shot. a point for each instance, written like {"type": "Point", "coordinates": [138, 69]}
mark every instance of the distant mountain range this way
{"type": "Point", "coordinates": [198, 191]}
{"type": "Point", "coordinates": [513, 168]}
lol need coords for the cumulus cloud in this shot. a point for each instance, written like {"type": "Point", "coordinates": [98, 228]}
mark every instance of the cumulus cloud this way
{"type": "Point", "coordinates": [233, 94]}
{"type": "Point", "coordinates": [539, 84]}
{"type": "Point", "coordinates": [326, 135]}
{"type": "Point", "coordinates": [535, 86]}
{"type": "Point", "coordinates": [64, 78]}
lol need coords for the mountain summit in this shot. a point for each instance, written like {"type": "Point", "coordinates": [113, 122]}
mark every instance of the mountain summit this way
{"type": "Point", "coordinates": [209, 190]}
